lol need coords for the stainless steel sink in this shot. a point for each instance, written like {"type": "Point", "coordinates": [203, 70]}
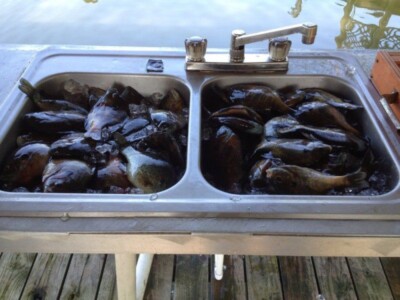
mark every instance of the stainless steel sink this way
{"type": "Point", "coordinates": [193, 205]}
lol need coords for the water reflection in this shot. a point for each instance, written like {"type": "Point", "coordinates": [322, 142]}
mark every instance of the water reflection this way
{"type": "Point", "coordinates": [341, 23]}
{"type": "Point", "coordinates": [356, 34]}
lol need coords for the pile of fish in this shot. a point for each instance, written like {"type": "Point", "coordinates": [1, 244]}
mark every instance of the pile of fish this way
{"type": "Point", "coordinates": [288, 141]}
{"type": "Point", "coordinates": [98, 141]}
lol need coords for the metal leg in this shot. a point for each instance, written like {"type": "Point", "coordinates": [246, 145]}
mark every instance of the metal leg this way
{"type": "Point", "coordinates": [142, 273]}
{"type": "Point", "coordinates": [125, 268]}
{"type": "Point", "coordinates": [218, 266]}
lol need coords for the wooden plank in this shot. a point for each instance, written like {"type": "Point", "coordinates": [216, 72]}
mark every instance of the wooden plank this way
{"type": "Point", "coordinates": [159, 286]}
{"type": "Point", "coordinates": [369, 279]}
{"type": "Point", "coordinates": [334, 278]}
{"type": "Point", "coordinates": [232, 285]}
{"type": "Point", "coordinates": [14, 272]}
{"type": "Point", "coordinates": [263, 280]}
{"type": "Point", "coordinates": [391, 266]}
{"type": "Point", "coordinates": [191, 277]}
{"type": "Point", "coordinates": [47, 275]}
{"type": "Point", "coordinates": [108, 284]}
{"type": "Point", "coordinates": [83, 276]}
{"type": "Point", "coordinates": [298, 278]}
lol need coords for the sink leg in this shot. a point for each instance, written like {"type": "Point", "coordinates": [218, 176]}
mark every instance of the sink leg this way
{"type": "Point", "coordinates": [125, 269]}
{"type": "Point", "coordinates": [218, 266]}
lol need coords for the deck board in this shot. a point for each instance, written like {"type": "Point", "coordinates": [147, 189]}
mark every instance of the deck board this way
{"type": "Point", "coordinates": [263, 279]}
{"type": "Point", "coordinates": [334, 279]}
{"type": "Point", "coordinates": [369, 278]}
{"type": "Point", "coordinates": [191, 277]}
{"type": "Point", "coordinates": [391, 266]}
{"type": "Point", "coordinates": [159, 285]}
{"type": "Point", "coordinates": [14, 271]}
{"type": "Point", "coordinates": [47, 276]}
{"type": "Point", "coordinates": [83, 277]}
{"type": "Point", "coordinates": [298, 278]}
{"type": "Point", "coordinates": [233, 285]}
{"type": "Point", "coordinates": [108, 283]}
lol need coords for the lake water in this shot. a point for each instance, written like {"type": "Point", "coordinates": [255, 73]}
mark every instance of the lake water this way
{"type": "Point", "coordinates": [361, 24]}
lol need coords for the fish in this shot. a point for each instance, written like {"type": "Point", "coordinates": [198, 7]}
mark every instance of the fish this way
{"type": "Point", "coordinates": [322, 114]}
{"type": "Point", "coordinates": [281, 127]}
{"type": "Point", "coordinates": [227, 159]}
{"type": "Point", "coordinates": [257, 96]}
{"type": "Point", "coordinates": [240, 118]}
{"type": "Point", "coordinates": [167, 121]}
{"type": "Point", "coordinates": [112, 175]}
{"type": "Point", "coordinates": [332, 136]}
{"type": "Point", "coordinates": [149, 174]}
{"type": "Point", "coordinates": [173, 101]}
{"type": "Point", "coordinates": [109, 110]}
{"type": "Point", "coordinates": [291, 179]}
{"type": "Point", "coordinates": [48, 104]}
{"type": "Point", "coordinates": [301, 152]}
{"type": "Point", "coordinates": [73, 146]}
{"type": "Point", "coordinates": [25, 165]}
{"type": "Point", "coordinates": [313, 94]}
{"type": "Point", "coordinates": [66, 176]}
{"type": "Point", "coordinates": [52, 122]}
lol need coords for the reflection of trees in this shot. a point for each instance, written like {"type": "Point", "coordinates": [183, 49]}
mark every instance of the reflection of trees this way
{"type": "Point", "coordinates": [296, 10]}
{"type": "Point", "coordinates": [355, 34]}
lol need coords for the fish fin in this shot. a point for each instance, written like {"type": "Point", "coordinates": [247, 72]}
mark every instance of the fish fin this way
{"type": "Point", "coordinates": [357, 179]}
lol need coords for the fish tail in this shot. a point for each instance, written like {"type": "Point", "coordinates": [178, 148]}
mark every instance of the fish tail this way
{"type": "Point", "coordinates": [357, 179]}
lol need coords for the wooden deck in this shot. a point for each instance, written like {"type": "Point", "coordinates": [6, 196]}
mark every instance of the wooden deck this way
{"type": "Point", "coordinates": [84, 276]}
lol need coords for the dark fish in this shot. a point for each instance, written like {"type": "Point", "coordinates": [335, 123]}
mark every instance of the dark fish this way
{"type": "Point", "coordinates": [55, 121]}
{"type": "Point", "coordinates": [256, 177]}
{"type": "Point", "coordinates": [295, 151]}
{"type": "Point", "coordinates": [173, 101]}
{"type": "Point", "coordinates": [131, 96]}
{"type": "Point", "coordinates": [66, 176]}
{"type": "Point", "coordinates": [280, 127]}
{"type": "Point", "coordinates": [290, 179]}
{"type": "Point", "coordinates": [147, 173]}
{"type": "Point", "coordinates": [239, 111]}
{"type": "Point", "coordinates": [331, 136]}
{"type": "Point", "coordinates": [240, 125]}
{"type": "Point", "coordinates": [167, 121]}
{"type": "Point", "coordinates": [257, 96]}
{"type": "Point", "coordinates": [112, 175]}
{"type": "Point", "coordinates": [162, 145]}
{"type": "Point", "coordinates": [227, 159]}
{"type": "Point", "coordinates": [109, 110]}
{"type": "Point", "coordinates": [25, 165]}
{"type": "Point", "coordinates": [75, 146]}
{"type": "Point", "coordinates": [322, 114]}
{"type": "Point", "coordinates": [48, 104]}
{"type": "Point", "coordinates": [133, 125]}
{"type": "Point", "coordinates": [313, 94]}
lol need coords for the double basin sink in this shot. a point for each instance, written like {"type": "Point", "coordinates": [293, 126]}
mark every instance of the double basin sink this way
{"type": "Point", "coordinates": [194, 195]}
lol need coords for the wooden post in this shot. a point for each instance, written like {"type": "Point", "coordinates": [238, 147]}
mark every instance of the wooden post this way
{"type": "Point", "coordinates": [125, 269]}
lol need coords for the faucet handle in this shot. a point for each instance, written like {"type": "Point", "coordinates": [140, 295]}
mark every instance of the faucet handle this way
{"type": "Point", "coordinates": [196, 48]}
{"type": "Point", "coordinates": [279, 48]}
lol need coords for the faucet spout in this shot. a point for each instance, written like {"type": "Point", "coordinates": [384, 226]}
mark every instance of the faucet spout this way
{"type": "Point", "coordinates": [308, 31]}
{"type": "Point", "coordinates": [239, 39]}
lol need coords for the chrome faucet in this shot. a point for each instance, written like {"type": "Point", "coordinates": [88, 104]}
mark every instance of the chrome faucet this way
{"type": "Point", "coordinates": [239, 39]}
{"type": "Point", "coordinates": [275, 60]}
